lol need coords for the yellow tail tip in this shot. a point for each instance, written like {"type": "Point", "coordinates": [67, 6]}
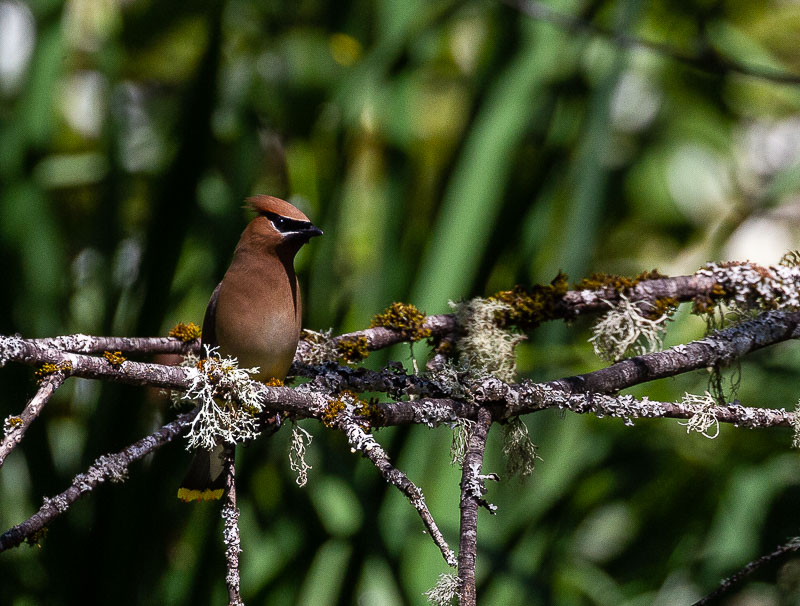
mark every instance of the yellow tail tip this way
{"type": "Point", "coordinates": [188, 494]}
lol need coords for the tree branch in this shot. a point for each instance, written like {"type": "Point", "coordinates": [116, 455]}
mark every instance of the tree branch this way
{"type": "Point", "coordinates": [230, 532]}
{"type": "Point", "coordinates": [80, 343]}
{"type": "Point", "coordinates": [732, 581]}
{"type": "Point", "coordinates": [112, 467]}
{"type": "Point", "coordinates": [472, 491]}
{"type": "Point", "coordinates": [15, 427]}
{"type": "Point", "coordinates": [364, 443]}
{"type": "Point", "coordinates": [720, 348]}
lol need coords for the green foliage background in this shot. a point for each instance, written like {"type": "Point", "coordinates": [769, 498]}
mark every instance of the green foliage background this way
{"type": "Point", "coordinates": [448, 149]}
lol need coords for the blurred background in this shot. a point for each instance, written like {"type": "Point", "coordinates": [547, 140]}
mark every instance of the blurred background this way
{"type": "Point", "coordinates": [448, 149]}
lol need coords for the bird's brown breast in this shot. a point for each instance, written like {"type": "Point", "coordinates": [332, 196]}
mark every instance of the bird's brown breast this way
{"type": "Point", "coordinates": [259, 313]}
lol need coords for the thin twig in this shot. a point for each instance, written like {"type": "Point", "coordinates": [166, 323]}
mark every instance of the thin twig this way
{"type": "Point", "coordinates": [472, 491]}
{"type": "Point", "coordinates": [710, 61]}
{"type": "Point", "coordinates": [364, 443]}
{"type": "Point", "coordinates": [732, 581]}
{"type": "Point", "coordinates": [230, 532]}
{"type": "Point", "coordinates": [111, 467]}
{"type": "Point", "coordinates": [17, 426]}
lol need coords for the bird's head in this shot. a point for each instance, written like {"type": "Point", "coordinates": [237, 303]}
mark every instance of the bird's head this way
{"type": "Point", "coordinates": [280, 224]}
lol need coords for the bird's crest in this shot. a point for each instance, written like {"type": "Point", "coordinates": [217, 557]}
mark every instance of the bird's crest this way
{"type": "Point", "coordinates": [269, 204]}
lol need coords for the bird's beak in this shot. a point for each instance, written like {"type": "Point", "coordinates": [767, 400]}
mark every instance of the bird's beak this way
{"type": "Point", "coordinates": [304, 234]}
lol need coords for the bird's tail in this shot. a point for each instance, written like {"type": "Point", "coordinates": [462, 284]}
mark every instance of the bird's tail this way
{"type": "Point", "coordinates": [206, 478]}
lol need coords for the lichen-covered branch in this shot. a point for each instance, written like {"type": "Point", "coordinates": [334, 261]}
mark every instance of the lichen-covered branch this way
{"type": "Point", "coordinates": [28, 351]}
{"type": "Point", "coordinates": [718, 349]}
{"type": "Point", "coordinates": [509, 400]}
{"type": "Point", "coordinates": [380, 337]}
{"type": "Point", "coordinates": [111, 468]}
{"type": "Point", "coordinates": [392, 379]}
{"type": "Point", "coordinates": [472, 491]}
{"type": "Point", "coordinates": [230, 533]}
{"type": "Point", "coordinates": [89, 344]}
{"type": "Point", "coordinates": [363, 442]}
{"type": "Point", "coordinates": [14, 427]}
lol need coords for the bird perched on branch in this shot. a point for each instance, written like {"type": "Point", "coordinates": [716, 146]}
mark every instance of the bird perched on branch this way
{"type": "Point", "coordinates": [254, 315]}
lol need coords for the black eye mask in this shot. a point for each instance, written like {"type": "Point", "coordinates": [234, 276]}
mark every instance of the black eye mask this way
{"type": "Point", "coordinates": [286, 225]}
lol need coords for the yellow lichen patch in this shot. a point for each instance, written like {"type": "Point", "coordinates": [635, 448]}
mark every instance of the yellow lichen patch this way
{"type": "Point", "coordinates": [361, 408]}
{"type": "Point", "coordinates": [48, 369]}
{"type": "Point", "coordinates": [186, 331]}
{"type": "Point", "coordinates": [332, 412]}
{"type": "Point", "coordinates": [353, 349]}
{"type": "Point", "coordinates": [188, 495]}
{"type": "Point", "coordinates": [404, 318]}
{"type": "Point", "coordinates": [273, 382]}
{"type": "Point", "coordinates": [115, 358]}
{"type": "Point", "coordinates": [704, 304]}
{"type": "Point", "coordinates": [597, 281]}
{"type": "Point", "coordinates": [663, 306]}
{"type": "Point", "coordinates": [531, 306]}
{"type": "Point", "coordinates": [14, 421]}
{"type": "Point", "coordinates": [367, 409]}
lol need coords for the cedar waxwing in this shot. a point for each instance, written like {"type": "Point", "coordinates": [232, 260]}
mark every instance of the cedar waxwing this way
{"type": "Point", "coordinates": [254, 315]}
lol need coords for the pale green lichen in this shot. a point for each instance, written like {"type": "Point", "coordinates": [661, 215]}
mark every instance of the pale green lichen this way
{"type": "Point", "coordinates": [448, 378]}
{"type": "Point", "coordinates": [297, 454]}
{"type": "Point", "coordinates": [445, 592]}
{"type": "Point", "coordinates": [462, 431]}
{"type": "Point", "coordinates": [703, 419]}
{"type": "Point", "coordinates": [484, 347]}
{"type": "Point", "coordinates": [227, 399]}
{"type": "Point", "coordinates": [626, 328]}
{"type": "Point", "coordinates": [320, 347]}
{"type": "Point", "coordinates": [518, 449]}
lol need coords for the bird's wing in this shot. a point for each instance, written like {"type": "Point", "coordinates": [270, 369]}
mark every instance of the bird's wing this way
{"type": "Point", "coordinates": [210, 322]}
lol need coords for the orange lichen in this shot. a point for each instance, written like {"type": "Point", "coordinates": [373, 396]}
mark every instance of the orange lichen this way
{"type": "Point", "coordinates": [115, 358]}
{"type": "Point", "coordinates": [368, 409]}
{"type": "Point", "coordinates": [48, 369]}
{"type": "Point", "coordinates": [663, 306]}
{"type": "Point", "coordinates": [597, 281]}
{"type": "Point", "coordinates": [404, 318]}
{"type": "Point", "coordinates": [353, 349]}
{"type": "Point", "coordinates": [704, 303]}
{"type": "Point", "coordinates": [331, 414]}
{"type": "Point", "coordinates": [531, 306]}
{"type": "Point", "coordinates": [186, 331]}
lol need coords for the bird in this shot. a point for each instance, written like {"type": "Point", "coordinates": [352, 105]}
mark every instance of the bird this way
{"type": "Point", "coordinates": [254, 315]}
